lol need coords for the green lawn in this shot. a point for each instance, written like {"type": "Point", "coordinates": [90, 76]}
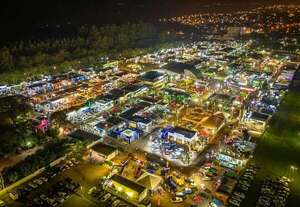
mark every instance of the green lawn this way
{"type": "Point", "coordinates": [279, 148]}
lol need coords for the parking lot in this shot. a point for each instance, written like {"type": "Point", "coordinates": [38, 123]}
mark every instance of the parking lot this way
{"type": "Point", "coordinates": [60, 185]}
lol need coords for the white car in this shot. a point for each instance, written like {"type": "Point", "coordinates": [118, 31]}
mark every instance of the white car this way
{"type": "Point", "coordinates": [106, 197]}
{"type": "Point", "coordinates": [33, 185]}
{"type": "Point", "coordinates": [177, 199]}
{"type": "Point", "coordinates": [14, 195]}
{"type": "Point", "coordinates": [75, 161]}
{"type": "Point", "coordinates": [91, 190]}
{"type": "Point", "coordinates": [234, 202]}
{"type": "Point", "coordinates": [207, 178]}
{"type": "Point", "coordinates": [44, 179]}
{"type": "Point", "coordinates": [188, 191]}
{"type": "Point", "coordinates": [116, 203]}
{"type": "Point", "coordinates": [38, 181]}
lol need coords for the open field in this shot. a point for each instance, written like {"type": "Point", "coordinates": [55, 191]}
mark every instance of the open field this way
{"type": "Point", "coordinates": [279, 149]}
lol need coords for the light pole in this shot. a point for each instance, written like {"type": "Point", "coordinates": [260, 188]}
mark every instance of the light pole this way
{"type": "Point", "coordinates": [293, 168]}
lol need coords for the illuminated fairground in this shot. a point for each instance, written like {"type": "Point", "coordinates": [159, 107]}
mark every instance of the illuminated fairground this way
{"type": "Point", "coordinates": [210, 121]}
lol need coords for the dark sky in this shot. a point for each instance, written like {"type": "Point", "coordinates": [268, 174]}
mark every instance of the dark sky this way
{"type": "Point", "coordinates": [24, 18]}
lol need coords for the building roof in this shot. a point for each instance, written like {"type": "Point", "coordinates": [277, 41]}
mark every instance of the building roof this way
{"type": "Point", "coordinates": [214, 121]}
{"type": "Point", "coordinates": [128, 183]}
{"type": "Point", "coordinates": [140, 119]}
{"type": "Point", "coordinates": [132, 88]}
{"type": "Point", "coordinates": [149, 181]}
{"type": "Point", "coordinates": [109, 96]}
{"type": "Point", "coordinates": [222, 97]}
{"type": "Point", "coordinates": [37, 84]}
{"type": "Point", "coordinates": [180, 68]}
{"type": "Point", "coordinates": [129, 113]}
{"type": "Point", "coordinates": [103, 148]}
{"type": "Point", "coordinates": [83, 135]}
{"type": "Point", "coordinates": [117, 92]}
{"type": "Point", "coordinates": [177, 92]}
{"type": "Point", "coordinates": [186, 132]}
{"type": "Point", "coordinates": [114, 120]}
{"type": "Point", "coordinates": [149, 99]}
{"type": "Point", "coordinates": [104, 99]}
{"type": "Point", "coordinates": [135, 109]}
{"type": "Point", "coordinates": [103, 125]}
{"type": "Point", "coordinates": [143, 104]}
{"type": "Point", "coordinates": [177, 67]}
{"type": "Point", "coordinates": [151, 76]}
{"type": "Point", "coordinates": [260, 116]}
{"type": "Point", "coordinates": [128, 132]}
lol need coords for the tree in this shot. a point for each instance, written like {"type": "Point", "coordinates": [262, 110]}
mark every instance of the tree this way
{"type": "Point", "coordinates": [14, 108]}
{"type": "Point", "coordinates": [53, 132]}
{"type": "Point", "coordinates": [39, 58]}
{"type": "Point", "coordinates": [6, 60]}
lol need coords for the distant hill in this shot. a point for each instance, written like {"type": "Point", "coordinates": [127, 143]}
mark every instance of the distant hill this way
{"type": "Point", "coordinates": [31, 19]}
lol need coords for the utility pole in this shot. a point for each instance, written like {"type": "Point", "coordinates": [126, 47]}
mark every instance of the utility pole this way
{"type": "Point", "coordinates": [2, 181]}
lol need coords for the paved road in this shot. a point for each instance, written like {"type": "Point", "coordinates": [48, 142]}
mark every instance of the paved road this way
{"type": "Point", "coordinates": [15, 158]}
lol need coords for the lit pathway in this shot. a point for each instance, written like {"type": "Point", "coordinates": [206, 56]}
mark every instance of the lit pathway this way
{"type": "Point", "coordinates": [15, 158]}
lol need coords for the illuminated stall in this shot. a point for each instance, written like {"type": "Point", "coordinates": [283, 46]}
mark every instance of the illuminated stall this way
{"type": "Point", "coordinates": [256, 122]}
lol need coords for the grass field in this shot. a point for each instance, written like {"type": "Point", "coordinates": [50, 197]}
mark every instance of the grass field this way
{"type": "Point", "coordinates": [279, 149]}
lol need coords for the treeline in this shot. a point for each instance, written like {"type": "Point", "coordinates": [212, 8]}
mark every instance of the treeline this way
{"type": "Point", "coordinates": [36, 161]}
{"type": "Point", "coordinates": [90, 43]}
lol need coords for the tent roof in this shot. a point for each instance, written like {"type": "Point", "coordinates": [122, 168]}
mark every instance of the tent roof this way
{"type": "Point", "coordinates": [149, 181]}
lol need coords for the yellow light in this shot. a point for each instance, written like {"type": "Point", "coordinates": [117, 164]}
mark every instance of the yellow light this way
{"type": "Point", "coordinates": [120, 188]}
{"type": "Point", "coordinates": [196, 100]}
{"type": "Point", "coordinates": [130, 194]}
{"type": "Point", "coordinates": [293, 167]}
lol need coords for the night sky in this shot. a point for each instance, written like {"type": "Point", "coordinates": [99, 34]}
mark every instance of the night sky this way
{"type": "Point", "coordinates": [21, 19]}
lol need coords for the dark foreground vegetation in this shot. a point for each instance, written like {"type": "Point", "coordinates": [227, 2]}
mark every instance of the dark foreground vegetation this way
{"type": "Point", "coordinates": [41, 158]}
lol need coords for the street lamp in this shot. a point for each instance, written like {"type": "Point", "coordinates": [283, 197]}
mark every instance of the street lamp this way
{"type": "Point", "coordinates": [293, 168]}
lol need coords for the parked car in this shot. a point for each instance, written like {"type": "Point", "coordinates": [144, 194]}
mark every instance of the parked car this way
{"type": "Point", "coordinates": [75, 161]}
{"type": "Point", "coordinates": [241, 195]}
{"type": "Point", "coordinates": [43, 197]}
{"type": "Point", "coordinates": [52, 202]}
{"type": "Point", "coordinates": [44, 179]}
{"type": "Point", "coordinates": [38, 181]}
{"type": "Point", "coordinates": [33, 185]}
{"type": "Point", "coordinates": [180, 194]}
{"type": "Point", "coordinates": [177, 199]}
{"type": "Point", "coordinates": [106, 197]}
{"type": "Point", "coordinates": [2, 203]}
{"type": "Point", "coordinates": [116, 203]}
{"type": "Point", "coordinates": [188, 191]}
{"type": "Point", "coordinates": [14, 195]}
{"type": "Point", "coordinates": [38, 201]}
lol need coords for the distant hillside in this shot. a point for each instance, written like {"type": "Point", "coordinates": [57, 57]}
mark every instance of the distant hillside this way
{"type": "Point", "coordinates": [51, 18]}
